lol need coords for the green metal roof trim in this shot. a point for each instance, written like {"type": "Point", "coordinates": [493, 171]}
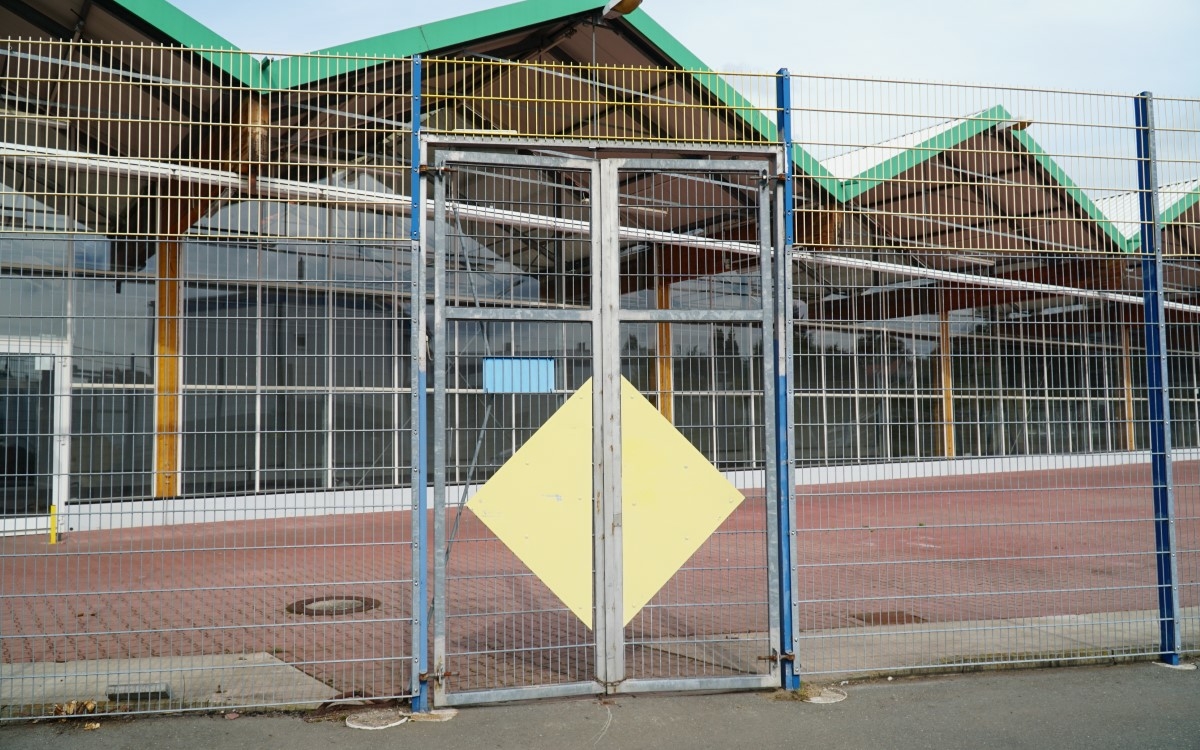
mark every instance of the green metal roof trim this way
{"type": "Point", "coordinates": [289, 72]}
{"type": "Point", "coordinates": [293, 71]}
{"type": "Point", "coordinates": [729, 96]}
{"type": "Point", "coordinates": [892, 168]}
{"type": "Point", "coordinates": [972, 126]}
{"type": "Point", "coordinates": [1056, 172]}
{"type": "Point", "coordinates": [1179, 208]}
{"type": "Point", "coordinates": [189, 32]}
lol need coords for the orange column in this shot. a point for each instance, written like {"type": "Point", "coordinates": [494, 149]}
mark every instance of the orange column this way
{"type": "Point", "coordinates": [1127, 372]}
{"type": "Point", "coordinates": [239, 146]}
{"type": "Point", "coordinates": [947, 377]}
{"type": "Point", "coordinates": [664, 372]}
{"type": "Point", "coordinates": [168, 376]}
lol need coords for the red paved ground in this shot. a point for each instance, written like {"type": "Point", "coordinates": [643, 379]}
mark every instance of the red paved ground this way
{"type": "Point", "coordinates": [989, 546]}
{"type": "Point", "coordinates": [983, 547]}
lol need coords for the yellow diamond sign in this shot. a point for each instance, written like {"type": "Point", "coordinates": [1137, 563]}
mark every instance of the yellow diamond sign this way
{"type": "Point", "coordinates": [540, 502]}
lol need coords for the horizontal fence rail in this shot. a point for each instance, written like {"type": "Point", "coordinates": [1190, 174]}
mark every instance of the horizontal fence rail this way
{"type": "Point", "coordinates": [237, 367]}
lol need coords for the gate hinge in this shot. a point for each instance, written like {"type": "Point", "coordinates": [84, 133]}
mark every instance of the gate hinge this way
{"type": "Point", "coordinates": [426, 170]}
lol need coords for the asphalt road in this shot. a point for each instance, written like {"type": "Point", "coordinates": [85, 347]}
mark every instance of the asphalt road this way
{"type": "Point", "coordinates": [1127, 706]}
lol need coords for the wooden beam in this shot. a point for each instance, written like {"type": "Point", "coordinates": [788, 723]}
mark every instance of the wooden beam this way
{"type": "Point", "coordinates": [168, 376]}
{"type": "Point", "coordinates": [179, 207]}
{"type": "Point", "coordinates": [947, 382]}
{"type": "Point", "coordinates": [665, 373]}
{"type": "Point", "coordinates": [819, 227]}
{"type": "Point", "coordinates": [1127, 374]}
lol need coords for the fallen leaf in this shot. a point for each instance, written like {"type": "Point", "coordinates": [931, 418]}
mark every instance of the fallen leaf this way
{"type": "Point", "coordinates": [92, 725]}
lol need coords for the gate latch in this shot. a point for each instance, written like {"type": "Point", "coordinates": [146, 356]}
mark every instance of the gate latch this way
{"type": "Point", "coordinates": [775, 656]}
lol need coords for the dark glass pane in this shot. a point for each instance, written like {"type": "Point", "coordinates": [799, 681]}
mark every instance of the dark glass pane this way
{"type": "Point", "coordinates": [26, 434]}
{"type": "Point", "coordinates": [113, 330]}
{"type": "Point", "coordinates": [112, 443]}
{"type": "Point", "coordinates": [694, 418]}
{"type": "Point", "coordinates": [33, 306]}
{"type": "Point", "coordinates": [363, 440]}
{"type": "Point", "coordinates": [735, 421]}
{"type": "Point", "coordinates": [220, 337]}
{"type": "Point", "coordinates": [295, 340]}
{"type": "Point", "coordinates": [218, 443]}
{"type": "Point", "coordinates": [365, 337]}
{"type": "Point", "coordinates": [44, 250]}
{"type": "Point", "coordinates": [293, 440]}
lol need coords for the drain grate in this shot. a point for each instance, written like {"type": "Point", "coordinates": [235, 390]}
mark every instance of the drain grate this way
{"type": "Point", "coordinates": [329, 606]}
{"type": "Point", "coordinates": [893, 617]}
{"type": "Point", "coordinates": [149, 691]}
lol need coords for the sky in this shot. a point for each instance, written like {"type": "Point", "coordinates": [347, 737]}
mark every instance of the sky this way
{"type": "Point", "coordinates": [1085, 45]}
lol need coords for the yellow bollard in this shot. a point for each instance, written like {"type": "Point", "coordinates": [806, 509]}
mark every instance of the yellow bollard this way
{"type": "Point", "coordinates": [54, 524]}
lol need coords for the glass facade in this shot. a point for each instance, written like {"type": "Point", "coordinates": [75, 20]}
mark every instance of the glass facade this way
{"type": "Point", "coordinates": [295, 372]}
{"type": "Point", "coordinates": [295, 365]}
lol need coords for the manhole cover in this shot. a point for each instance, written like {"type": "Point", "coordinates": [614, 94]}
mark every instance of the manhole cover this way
{"type": "Point", "coordinates": [825, 695]}
{"type": "Point", "coordinates": [328, 606]}
{"type": "Point", "coordinates": [378, 718]}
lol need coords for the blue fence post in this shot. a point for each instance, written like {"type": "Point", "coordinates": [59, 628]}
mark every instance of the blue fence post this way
{"type": "Point", "coordinates": [1157, 384]}
{"type": "Point", "coordinates": [419, 411]}
{"type": "Point", "coordinates": [790, 678]}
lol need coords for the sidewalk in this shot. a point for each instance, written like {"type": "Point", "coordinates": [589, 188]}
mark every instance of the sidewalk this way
{"type": "Point", "coordinates": [1139, 705]}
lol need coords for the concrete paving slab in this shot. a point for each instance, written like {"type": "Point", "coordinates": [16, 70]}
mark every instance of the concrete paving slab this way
{"type": "Point", "coordinates": [193, 681]}
{"type": "Point", "coordinates": [1104, 635]}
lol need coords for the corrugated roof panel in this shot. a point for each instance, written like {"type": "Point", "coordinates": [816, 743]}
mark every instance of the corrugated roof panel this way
{"type": "Point", "coordinates": [1125, 213]}
{"type": "Point", "coordinates": [854, 163]}
{"type": "Point", "coordinates": [862, 169]}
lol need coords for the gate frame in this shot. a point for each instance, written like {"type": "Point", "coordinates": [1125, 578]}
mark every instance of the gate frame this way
{"type": "Point", "coordinates": [605, 317]}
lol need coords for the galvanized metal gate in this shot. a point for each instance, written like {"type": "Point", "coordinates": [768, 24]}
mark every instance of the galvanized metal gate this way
{"type": "Point", "coordinates": [592, 364]}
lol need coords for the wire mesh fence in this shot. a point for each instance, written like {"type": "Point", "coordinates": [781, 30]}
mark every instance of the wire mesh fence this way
{"type": "Point", "coordinates": [246, 317]}
{"type": "Point", "coordinates": [974, 411]}
{"type": "Point", "coordinates": [489, 98]}
{"type": "Point", "coordinates": [206, 353]}
{"type": "Point", "coordinates": [1176, 127]}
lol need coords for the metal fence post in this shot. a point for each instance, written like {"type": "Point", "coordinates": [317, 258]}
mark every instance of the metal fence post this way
{"type": "Point", "coordinates": [608, 532]}
{"type": "Point", "coordinates": [1157, 383]}
{"type": "Point", "coordinates": [420, 472]}
{"type": "Point", "coordinates": [790, 680]}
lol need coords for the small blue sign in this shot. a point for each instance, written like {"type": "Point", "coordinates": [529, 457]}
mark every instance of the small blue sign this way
{"type": "Point", "coordinates": [518, 375]}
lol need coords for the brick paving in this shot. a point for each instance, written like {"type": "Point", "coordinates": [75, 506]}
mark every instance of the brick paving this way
{"type": "Point", "coordinates": [900, 552]}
